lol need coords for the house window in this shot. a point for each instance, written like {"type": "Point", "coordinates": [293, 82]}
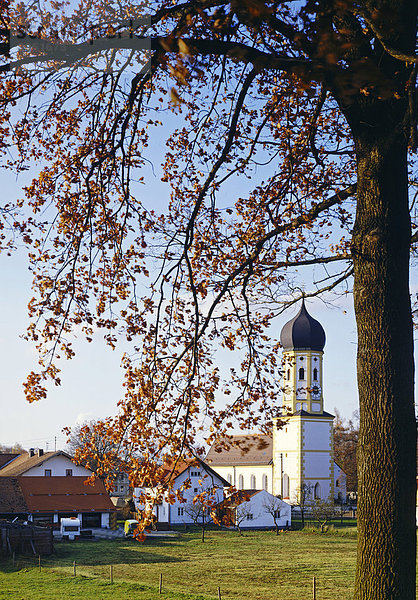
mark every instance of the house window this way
{"type": "Point", "coordinates": [121, 488]}
{"type": "Point", "coordinates": [288, 374]}
{"type": "Point", "coordinates": [195, 490]}
{"type": "Point", "coordinates": [265, 482]}
{"type": "Point", "coordinates": [180, 512]}
{"type": "Point", "coordinates": [241, 482]}
{"type": "Point", "coordinates": [301, 373]}
{"type": "Point", "coordinates": [48, 473]}
{"type": "Point", "coordinates": [252, 482]}
{"type": "Point", "coordinates": [315, 374]}
{"type": "Point", "coordinates": [277, 514]}
{"type": "Point", "coordinates": [68, 472]}
{"type": "Point", "coordinates": [250, 517]}
{"type": "Point", "coordinates": [194, 473]}
{"type": "Point", "coordinates": [317, 491]}
{"type": "Point", "coordinates": [337, 483]}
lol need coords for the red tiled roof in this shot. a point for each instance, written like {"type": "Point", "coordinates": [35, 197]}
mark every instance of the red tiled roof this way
{"type": "Point", "coordinates": [241, 450]}
{"type": "Point", "coordinates": [51, 494]}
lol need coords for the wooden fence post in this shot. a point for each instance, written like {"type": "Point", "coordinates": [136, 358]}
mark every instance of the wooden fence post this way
{"type": "Point", "coordinates": [74, 569]}
{"type": "Point", "coordinates": [161, 583]}
{"type": "Point", "coordinates": [314, 589]}
{"type": "Point", "coordinates": [111, 573]}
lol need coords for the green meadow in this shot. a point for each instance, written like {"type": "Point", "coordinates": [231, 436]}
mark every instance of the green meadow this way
{"type": "Point", "coordinates": [256, 566]}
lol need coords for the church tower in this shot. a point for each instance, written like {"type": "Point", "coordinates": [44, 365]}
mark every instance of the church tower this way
{"type": "Point", "coordinates": [303, 454]}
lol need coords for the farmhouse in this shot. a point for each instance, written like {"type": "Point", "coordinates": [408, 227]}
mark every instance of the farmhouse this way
{"type": "Point", "coordinates": [300, 454]}
{"type": "Point", "coordinates": [191, 478]}
{"type": "Point", "coordinates": [44, 487]}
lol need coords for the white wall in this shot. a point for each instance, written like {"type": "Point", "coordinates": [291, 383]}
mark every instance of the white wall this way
{"type": "Point", "coordinates": [260, 517]}
{"type": "Point", "coordinates": [168, 513]}
{"type": "Point", "coordinates": [317, 435]}
{"type": "Point", "coordinates": [232, 474]}
{"type": "Point", "coordinates": [105, 522]}
{"type": "Point", "coordinates": [58, 466]}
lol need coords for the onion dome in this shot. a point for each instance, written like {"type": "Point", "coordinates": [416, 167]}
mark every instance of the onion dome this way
{"type": "Point", "coordinates": [303, 332]}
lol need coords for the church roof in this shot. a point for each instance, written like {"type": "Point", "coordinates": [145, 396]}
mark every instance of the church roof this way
{"type": "Point", "coordinates": [303, 332]}
{"type": "Point", "coordinates": [241, 450]}
{"type": "Point", "coordinates": [305, 413]}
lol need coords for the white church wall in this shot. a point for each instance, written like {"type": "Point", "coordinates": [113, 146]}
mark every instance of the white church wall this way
{"type": "Point", "coordinates": [317, 435]}
{"type": "Point", "coordinates": [262, 474]}
{"type": "Point", "coordinates": [317, 464]}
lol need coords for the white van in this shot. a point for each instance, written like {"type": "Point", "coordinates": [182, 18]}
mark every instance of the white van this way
{"type": "Point", "coordinates": [70, 528]}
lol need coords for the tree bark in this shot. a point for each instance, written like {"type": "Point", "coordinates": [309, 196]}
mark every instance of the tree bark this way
{"type": "Point", "coordinates": [387, 438]}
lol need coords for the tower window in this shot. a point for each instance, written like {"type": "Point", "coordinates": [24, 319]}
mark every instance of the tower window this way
{"type": "Point", "coordinates": [252, 484]}
{"type": "Point", "coordinates": [240, 482]}
{"type": "Point", "coordinates": [317, 491]}
{"type": "Point", "coordinates": [315, 374]}
{"type": "Point", "coordinates": [288, 374]}
{"type": "Point", "coordinates": [301, 373]}
{"type": "Point", "coordinates": [265, 483]}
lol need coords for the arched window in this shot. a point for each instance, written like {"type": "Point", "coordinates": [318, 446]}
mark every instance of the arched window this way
{"type": "Point", "coordinates": [241, 482]}
{"type": "Point", "coordinates": [229, 478]}
{"type": "Point", "coordinates": [288, 374]}
{"type": "Point", "coordinates": [317, 491]}
{"type": "Point", "coordinates": [286, 486]}
{"type": "Point", "coordinates": [265, 482]}
{"type": "Point", "coordinates": [252, 482]}
{"type": "Point", "coordinates": [315, 374]}
{"type": "Point", "coordinates": [302, 373]}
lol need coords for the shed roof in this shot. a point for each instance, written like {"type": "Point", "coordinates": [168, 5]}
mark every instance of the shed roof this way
{"type": "Point", "coordinates": [241, 450]}
{"type": "Point", "coordinates": [51, 494]}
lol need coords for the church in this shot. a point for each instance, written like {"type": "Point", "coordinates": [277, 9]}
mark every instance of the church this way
{"type": "Point", "coordinates": [300, 453]}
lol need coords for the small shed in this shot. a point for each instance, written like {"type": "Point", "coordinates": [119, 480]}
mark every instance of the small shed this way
{"type": "Point", "coordinates": [25, 538]}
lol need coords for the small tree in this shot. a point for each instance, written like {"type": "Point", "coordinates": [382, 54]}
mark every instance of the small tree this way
{"type": "Point", "coordinates": [302, 499]}
{"type": "Point", "coordinates": [272, 506]}
{"type": "Point", "coordinates": [199, 514]}
{"type": "Point", "coordinates": [322, 512]}
{"type": "Point", "coordinates": [243, 512]}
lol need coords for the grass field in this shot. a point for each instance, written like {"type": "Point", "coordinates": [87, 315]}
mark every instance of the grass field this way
{"type": "Point", "coordinates": [256, 566]}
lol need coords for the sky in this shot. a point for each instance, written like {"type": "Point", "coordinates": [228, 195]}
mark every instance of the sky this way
{"type": "Point", "coordinates": [92, 382]}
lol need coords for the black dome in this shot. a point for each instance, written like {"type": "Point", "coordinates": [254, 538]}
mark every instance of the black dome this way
{"type": "Point", "coordinates": [303, 332]}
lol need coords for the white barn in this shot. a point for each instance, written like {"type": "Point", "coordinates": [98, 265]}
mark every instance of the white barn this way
{"type": "Point", "coordinates": [257, 509]}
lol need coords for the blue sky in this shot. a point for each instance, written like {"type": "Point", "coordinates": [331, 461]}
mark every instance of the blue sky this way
{"type": "Point", "coordinates": [92, 382]}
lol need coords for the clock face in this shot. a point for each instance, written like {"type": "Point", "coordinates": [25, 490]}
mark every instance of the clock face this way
{"type": "Point", "coordinates": [316, 391]}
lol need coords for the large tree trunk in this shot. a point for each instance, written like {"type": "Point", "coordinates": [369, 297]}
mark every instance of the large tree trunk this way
{"type": "Point", "coordinates": [387, 440]}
